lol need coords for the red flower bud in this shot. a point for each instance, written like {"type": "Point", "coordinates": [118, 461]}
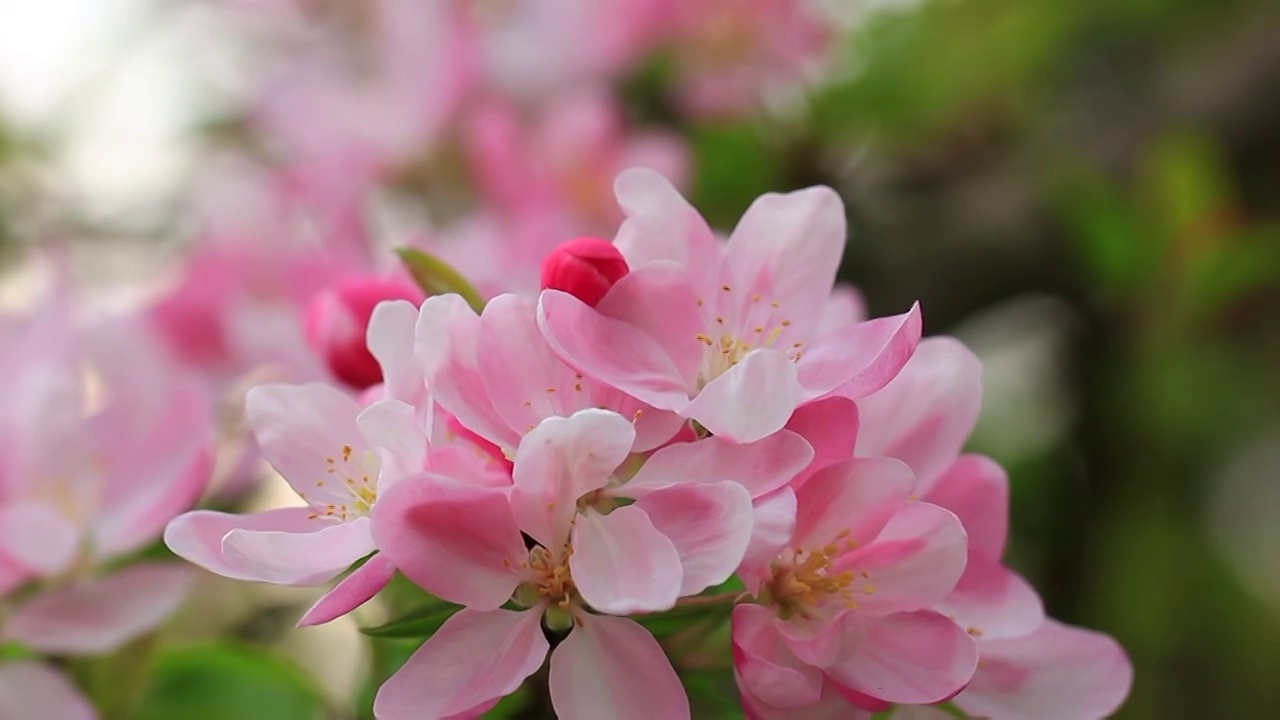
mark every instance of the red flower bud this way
{"type": "Point", "coordinates": [338, 319]}
{"type": "Point", "coordinates": [584, 267]}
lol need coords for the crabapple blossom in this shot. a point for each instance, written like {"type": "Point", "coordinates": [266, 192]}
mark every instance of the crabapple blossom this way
{"type": "Point", "coordinates": [727, 335]}
{"type": "Point", "coordinates": [842, 609]}
{"type": "Point", "coordinates": [590, 552]}
{"type": "Point", "coordinates": [338, 457]}
{"type": "Point", "coordinates": [103, 443]}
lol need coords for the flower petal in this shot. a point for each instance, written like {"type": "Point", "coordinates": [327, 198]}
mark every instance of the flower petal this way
{"type": "Point", "coordinates": [788, 247]}
{"type": "Point", "coordinates": [858, 496]}
{"type": "Point", "coordinates": [615, 352]}
{"type": "Point", "coordinates": [976, 489]}
{"type": "Point", "coordinates": [991, 601]}
{"type": "Point", "coordinates": [915, 562]}
{"type": "Point", "coordinates": [456, 540]}
{"type": "Point", "coordinates": [560, 461]}
{"type": "Point", "coordinates": [36, 537]}
{"type": "Point", "coordinates": [611, 667]}
{"type": "Point", "coordinates": [197, 538]}
{"type": "Point", "coordinates": [33, 691]}
{"type": "Point", "coordinates": [830, 426]}
{"type": "Point", "coordinates": [390, 338]}
{"type": "Point", "coordinates": [761, 466]}
{"type": "Point", "coordinates": [293, 558]}
{"type": "Point", "coordinates": [662, 226]}
{"type": "Point", "coordinates": [299, 428]}
{"type": "Point", "coordinates": [773, 524]}
{"type": "Point", "coordinates": [751, 400]}
{"type": "Point", "coordinates": [100, 615]}
{"type": "Point", "coordinates": [660, 300]}
{"type": "Point", "coordinates": [446, 337]}
{"type": "Point", "coordinates": [351, 592]}
{"type": "Point", "coordinates": [1059, 672]}
{"type": "Point", "coordinates": [622, 564]}
{"type": "Point", "coordinates": [710, 526]}
{"type": "Point", "coordinates": [393, 427]}
{"type": "Point", "coordinates": [765, 667]}
{"type": "Point", "coordinates": [916, 657]}
{"type": "Point", "coordinates": [924, 415]}
{"type": "Point", "coordinates": [475, 657]}
{"type": "Point", "coordinates": [859, 359]}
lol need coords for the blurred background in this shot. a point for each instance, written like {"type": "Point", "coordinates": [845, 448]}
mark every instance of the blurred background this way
{"type": "Point", "coordinates": [1087, 192]}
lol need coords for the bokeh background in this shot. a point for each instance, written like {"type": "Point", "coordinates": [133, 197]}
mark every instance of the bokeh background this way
{"type": "Point", "coordinates": [1087, 192]}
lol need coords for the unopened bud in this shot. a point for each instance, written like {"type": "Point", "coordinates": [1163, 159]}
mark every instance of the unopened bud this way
{"type": "Point", "coordinates": [338, 320]}
{"type": "Point", "coordinates": [584, 267]}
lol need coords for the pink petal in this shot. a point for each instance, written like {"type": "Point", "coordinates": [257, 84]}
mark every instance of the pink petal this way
{"type": "Point", "coordinates": [915, 561]}
{"type": "Point", "coordinates": [615, 352]}
{"type": "Point", "coordinates": [351, 592]}
{"type": "Point", "coordinates": [456, 540]}
{"type": "Point", "coordinates": [622, 564]}
{"type": "Point", "coordinates": [918, 657]}
{"type": "Point", "coordinates": [159, 472]}
{"type": "Point", "coordinates": [765, 667]}
{"type": "Point", "coordinates": [858, 496]}
{"type": "Point", "coordinates": [751, 400]}
{"type": "Point", "coordinates": [299, 428]}
{"type": "Point", "coordinates": [611, 667]}
{"type": "Point", "coordinates": [35, 536]}
{"type": "Point", "coordinates": [991, 601]}
{"type": "Point", "coordinates": [830, 705]}
{"type": "Point", "coordinates": [761, 466]}
{"type": "Point", "coordinates": [560, 461]}
{"type": "Point", "coordinates": [393, 428]}
{"type": "Point", "coordinates": [100, 615]}
{"type": "Point", "coordinates": [788, 248]}
{"type": "Point", "coordinates": [845, 305]}
{"type": "Point", "coordinates": [197, 538]}
{"type": "Point", "coordinates": [475, 657]}
{"type": "Point", "coordinates": [447, 333]}
{"type": "Point", "coordinates": [976, 489]}
{"type": "Point", "coordinates": [710, 526]}
{"type": "Point", "coordinates": [293, 558]}
{"type": "Point", "coordinates": [924, 415]}
{"type": "Point", "coordinates": [830, 426]}
{"type": "Point", "coordinates": [33, 691]}
{"type": "Point", "coordinates": [772, 527]}
{"type": "Point", "coordinates": [1059, 672]}
{"type": "Point", "coordinates": [660, 301]}
{"type": "Point", "coordinates": [662, 226]}
{"type": "Point", "coordinates": [390, 338]}
{"type": "Point", "coordinates": [860, 358]}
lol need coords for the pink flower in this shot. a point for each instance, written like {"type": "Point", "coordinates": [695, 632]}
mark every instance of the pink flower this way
{"type": "Point", "coordinates": [563, 159]}
{"type": "Point", "coordinates": [89, 476]}
{"type": "Point", "coordinates": [842, 609]}
{"type": "Point", "coordinates": [464, 543]}
{"type": "Point", "coordinates": [730, 54]}
{"type": "Point", "coordinates": [584, 267]}
{"type": "Point", "coordinates": [338, 320]}
{"type": "Point", "coordinates": [338, 457]}
{"type": "Point", "coordinates": [730, 336]}
{"type": "Point", "coordinates": [498, 376]}
{"type": "Point", "coordinates": [33, 691]}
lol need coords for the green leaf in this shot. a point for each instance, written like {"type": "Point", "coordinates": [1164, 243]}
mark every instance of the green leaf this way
{"type": "Point", "coordinates": [713, 693]}
{"type": "Point", "coordinates": [436, 277]}
{"type": "Point", "coordinates": [220, 681]}
{"type": "Point", "coordinates": [419, 623]}
{"type": "Point", "coordinates": [673, 621]}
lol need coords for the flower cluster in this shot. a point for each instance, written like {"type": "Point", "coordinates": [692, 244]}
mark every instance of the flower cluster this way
{"type": "Point", "coordinates": [101, 444]}
{"type": "Point", "coordinates": [679, 421]}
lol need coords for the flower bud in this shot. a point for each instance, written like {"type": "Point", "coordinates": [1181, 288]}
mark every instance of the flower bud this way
{"type": "Point", "coordinates": [584, 267]}
{"type": "Point", "coordinates": [338, 319]}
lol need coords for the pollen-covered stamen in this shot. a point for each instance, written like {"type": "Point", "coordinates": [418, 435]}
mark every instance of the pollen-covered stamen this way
{"type": "Point", "coordinates": [737, 328]}
{"type": "Point", "coordinates": [550, 581]}
{"type": "Point", "coordinates": [351, 479]}
{"type": "Point", "coordinates": [808, 581]}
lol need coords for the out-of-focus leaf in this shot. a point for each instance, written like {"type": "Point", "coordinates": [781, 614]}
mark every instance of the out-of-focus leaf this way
{"type": "Point", "coordinates": [114, 681]}
{"type": "Point", "coordinates": [673, 621]}
{"type": "Point", "coordinates": [220, 681]}
{"type": "Point", "coordinates": [734, 167]}
{"type": "Point", "coordinates": [420, 623]}
{"type": "Point", "coordinates": [436, 277]}
{"type": "Point", "coordinates": [387, 656]}
{"type": "Point", "coordinates": [713, 693]}
{"type": "Point", "coordinates": [1107, 234]}
{"type": "Point", "coordinates": [1230, 272]}
{"type": "Point", "coordinates": [1185, 183]}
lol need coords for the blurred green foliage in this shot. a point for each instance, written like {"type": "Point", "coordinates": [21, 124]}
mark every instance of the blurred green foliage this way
{"type": "Point", "coordinates": [220, 681]}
